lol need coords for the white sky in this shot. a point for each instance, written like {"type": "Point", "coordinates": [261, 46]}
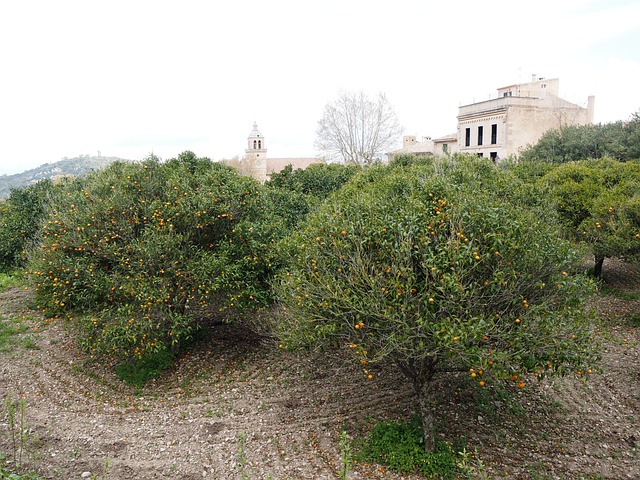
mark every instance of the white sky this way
{"type": "Point", "coordinates": [130, 77]}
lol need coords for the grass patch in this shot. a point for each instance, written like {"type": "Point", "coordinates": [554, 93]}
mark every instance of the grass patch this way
{"type": "Point", "coordinates": [8, 332]}
{"type": "Point", "coordinates": [635, 321]}
{"type": "Point", "coordinates": [400, 447]}
{"type": "Point", "coordinates": [29, 343]}
{"type": "Point", "coordinates": [140, 371]}
{"type": "Point", "coordinates": [9, 280]}
{"type": "Point", "coordinates": [615, 292]}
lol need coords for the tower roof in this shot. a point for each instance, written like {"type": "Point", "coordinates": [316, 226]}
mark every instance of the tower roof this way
{"type": "Point", "coordinates": [255, 133]}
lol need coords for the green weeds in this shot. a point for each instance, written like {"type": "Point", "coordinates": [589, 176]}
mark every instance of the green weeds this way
{"type": "Point", "coordinates": [103, 475]}
{"type": "Point", "coordinates": [137, 372]}
{"type": "Point", "coordinates": [17, 432]}
{"type": "Point", "coordinates": [470, 466]}
{"type": "Point", "coordinates": [9, 281]}
{"type": "Point", "coordinates": [345, 455]}
{"type": "Point", "coordinates": [9, 330]}
{"type": "Point", "coordinates": [19, 439]}
{"type": "Point", "coordinates": [400, 447]}
{"type": "Point", "coordinates": [241, 455]}
{"type": "Point", "coordinates": [607, 289]}
{"type": "Point", "coordinates": [6, 474]}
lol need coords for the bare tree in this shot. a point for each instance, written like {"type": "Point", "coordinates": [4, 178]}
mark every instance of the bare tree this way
{"type": "Point", "coordinates": [356, 128]}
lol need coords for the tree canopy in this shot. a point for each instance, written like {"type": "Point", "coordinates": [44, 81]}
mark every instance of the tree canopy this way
{"type": "Point", "coordinates": [20, 217]}
{"type": "Point", "coordinates": [436, 267]}
{"type": "Point", "coordinates": [618, 140]}
{"type": "Point", "coordinates": [357, 129]}
{"type": "Point", "coordinates": [141, 254]}
{"type": "Point", "coordinates": [598, 202]}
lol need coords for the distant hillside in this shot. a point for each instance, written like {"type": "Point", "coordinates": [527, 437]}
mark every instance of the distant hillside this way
{"type": "Point", "coordinates": [76, 167]}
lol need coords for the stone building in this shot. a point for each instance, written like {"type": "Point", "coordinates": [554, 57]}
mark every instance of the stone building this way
{"type": "Point", "coordinates": [518, 117]}
{"type": "Point", "coordinates": [445, 145]}
{"type": "Point", "coordinates": [503, 126]}
{"type": "Point", "coordinates": [410, 145]}
{"type": "Point", "coordinates": [258, 165]}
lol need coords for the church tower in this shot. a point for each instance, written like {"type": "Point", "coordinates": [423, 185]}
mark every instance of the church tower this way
{"type": "Point", "coordinates": [256, 154]}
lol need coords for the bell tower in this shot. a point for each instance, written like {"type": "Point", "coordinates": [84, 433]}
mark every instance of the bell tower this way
{"type": "Point", "coordinates": [256, 154]}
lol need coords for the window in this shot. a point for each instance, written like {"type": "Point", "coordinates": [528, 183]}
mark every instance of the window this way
{"type": "Point", "coordinates": [480, 131]}
{"type": "Point", "coordinates": [493, 156]}
{"type": "Point", "coordinates": [259, 143]}
{"type": "Point", "coordinates": [254, 144]}
{"type": "Point", "coordinates": [480, 155]}
{"type": "Point", "coordinates": [494, 134]}
{"type": "Point", "coordinates": [467, 137]}
{"type": "Point", "coordinates": [445, 147]}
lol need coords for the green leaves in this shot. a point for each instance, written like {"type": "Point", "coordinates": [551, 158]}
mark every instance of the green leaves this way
{"type": "Point", "coordinates": [20, 217]}
{"type": "Point", "coordinates": [618, 140]}
{"type": "Point", "coordinates": [156, 248]}
{"type": "Point", "coordinates": [598, 203]}
{"type": "Point", "coordinates": [400, 446]}
{"type": "Point", "coordinates": [438, 264]}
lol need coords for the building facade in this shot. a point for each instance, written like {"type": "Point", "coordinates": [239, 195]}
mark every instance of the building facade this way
{"type": "Point", "coordinates": [445, 145]}
{"type": "Point", "coordinates": [503, 126]}
{"type": "Point", "coordinates": [258, 165]}
{"type": "Point", "coordinates": [520, 115]}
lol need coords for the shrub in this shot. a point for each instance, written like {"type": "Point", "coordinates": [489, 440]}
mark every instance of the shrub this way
{"type": "Point", "coordinates": [436, 268]}
{"type": "Point", "coordinates": [288, 209]}
{"type": "Point", "coordinates": [318, 180]}
{"type": "Point", "coordinates": [598, 202]}
{"type": "Point", "coordinates": [20, 217]}
{"type": "Point", "coordinates": [618, 140]}
{"type": "Point", "coordinates": [144, 253]}
{"type": "Point", "coordinates": [292, 194]}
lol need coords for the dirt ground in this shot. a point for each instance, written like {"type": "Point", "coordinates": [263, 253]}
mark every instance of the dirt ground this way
{"type": "Point", "coordinates": [238, 408]}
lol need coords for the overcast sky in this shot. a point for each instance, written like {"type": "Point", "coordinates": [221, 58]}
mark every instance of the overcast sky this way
{"type": "Point", "coordinates": [127, 78]}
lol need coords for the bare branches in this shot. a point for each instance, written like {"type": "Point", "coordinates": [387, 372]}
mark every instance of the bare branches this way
{"type": "Point", "coordinates": [357, 129]}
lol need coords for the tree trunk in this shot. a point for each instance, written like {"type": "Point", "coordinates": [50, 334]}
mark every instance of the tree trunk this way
{"type": "Point", "coordinates": [597, 269]}
{"type": "Point", "coordinates": [425, 404]}
{"type": "Point", "coordinates": [421, 374]}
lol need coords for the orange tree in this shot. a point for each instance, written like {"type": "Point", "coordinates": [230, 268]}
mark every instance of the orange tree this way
{"type": "Point", "coordinates": [292, 194]}
{"type": "Point", "coordinates": [20, 217]}
{"type": "Point", "coordinates": [141, 254]}
{"type": "Point", "coordinates": [619, 140]}
{"type": "Point", "coordinates": [437, 267]}
{"type": "Point", "coordinates": [318, 180]}
{"type": "Point", "coordinates": [598, 202]}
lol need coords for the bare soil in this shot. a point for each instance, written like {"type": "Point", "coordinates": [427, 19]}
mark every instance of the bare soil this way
{"type": "Point", "coordinates": [237, 407]}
